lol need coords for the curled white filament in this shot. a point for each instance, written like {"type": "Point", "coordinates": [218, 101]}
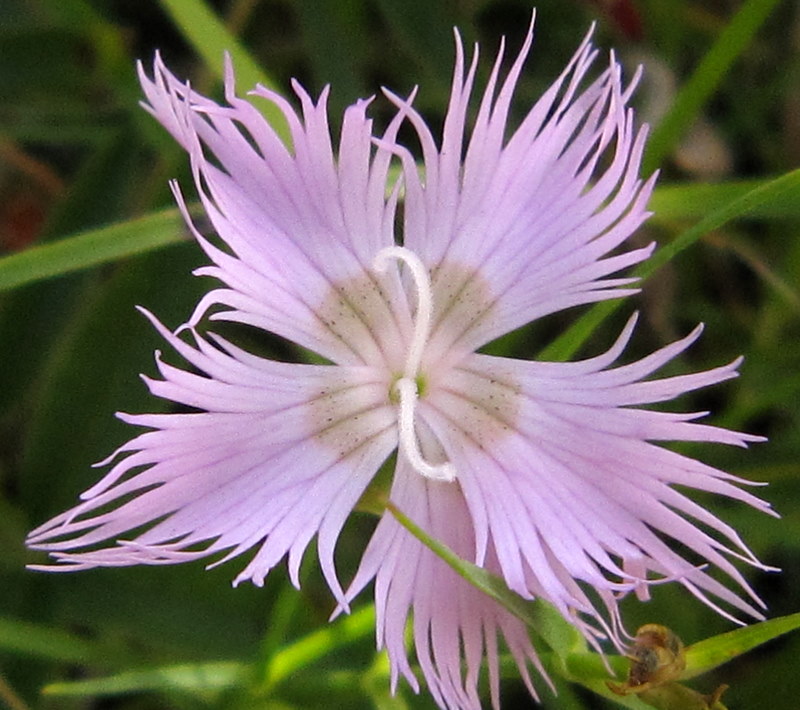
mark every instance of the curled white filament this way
{"type": "Point", "coordinates": [406, 387]}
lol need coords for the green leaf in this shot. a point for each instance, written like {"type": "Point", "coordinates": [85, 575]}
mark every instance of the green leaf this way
{"type": "Point", "coordinates": [193, 677]}
{"type": "Point", "coordinates": [319, 643]}
{"type": "Point", "coordinates": [695, 200]}
{"type": "Point", "coordinates": [781, 190]}
{"type": "Point", "coordinates": [211, 39]}
{"type": "Point", "coordinates": [674, 696]}
{"type": "Point", "coordinates": [590, 671]}
{"type": "Point", "coordinates": [92, 248]}
{"type": "Point", "coordinates": [27, 639]}
{"type": "Point", "coordinates": [561, 636]}
{"type": "Point", "coordinates": [730, 43]}
{"type": "Point", "coordinates": [706, 655]}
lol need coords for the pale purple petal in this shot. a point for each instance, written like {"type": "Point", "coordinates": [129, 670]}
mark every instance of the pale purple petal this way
{"type": "Point", "coordinates": [302, 226]}
{"type": "Point", "coordinates": [273, 459]}
{"type": "Point", "coordinates": [453, 623]}
{"type": "Point", "coordinates": [544, 447]}
{"type": "Point", "coordinates": [531, 217]}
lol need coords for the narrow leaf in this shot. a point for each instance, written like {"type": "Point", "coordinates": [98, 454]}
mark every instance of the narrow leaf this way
{"type": "Point", "coordinates": [590, 671]}
{"type": "Point", "coordinates": [211, 40]}
{"type": "Point", "coordinates": [92, 248]}
{"type": "Point", "coordinates": [26, 639]}
{"type": "Point", "coordinates": [730, 43]}
{"type": "Point", "coordinates": [706, 655]}
{"type": "Point", "coordinates": [192, 677]}
{"type": "Point", "coordinates": [320, 643]}
{"type": "Point", "coordinates": [561, 636]}
{"type": "Point", "coordinates": [695, 200]}
{"type": "Point", "coordinates": [780, 190]}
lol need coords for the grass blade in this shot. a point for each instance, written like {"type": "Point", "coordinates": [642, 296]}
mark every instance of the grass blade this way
{"type": "Point", "coordinates": [92, 248]}
{"type": "Point", "coordinates": [784, 188]}
{"type": "Point", "coordinates": [732, 41]}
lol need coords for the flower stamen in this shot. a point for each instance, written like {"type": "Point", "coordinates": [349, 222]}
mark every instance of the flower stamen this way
{"type": "Point", "coordinates": [407, 389]}
{"type": "Point", "coordinates": [422, 281]}
{"type": "Point", "coordinates": [406, 386]}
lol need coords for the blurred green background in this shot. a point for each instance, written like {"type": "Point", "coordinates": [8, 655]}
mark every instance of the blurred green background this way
{"type": "Point", "coordinates": [77, 153]}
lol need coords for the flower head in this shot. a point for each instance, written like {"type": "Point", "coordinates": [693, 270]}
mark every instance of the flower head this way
{"type": "Point", "coordinates": [545, 473]}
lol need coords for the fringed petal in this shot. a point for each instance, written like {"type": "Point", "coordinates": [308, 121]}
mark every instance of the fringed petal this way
{"type": "Point", "coordinates": [531, 215]}
{"type": "Point", "coordinates": [278, 453]}
{"type": "Point", "coordinates": [302, 226]}
{"type": "Point", "coordinates": [454, 625]}
{"type": "Point", "coordinates": [562, 473]}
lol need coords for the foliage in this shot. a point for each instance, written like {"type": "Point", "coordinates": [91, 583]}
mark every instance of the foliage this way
{"type": "Point", "coordinates": [89, 229]}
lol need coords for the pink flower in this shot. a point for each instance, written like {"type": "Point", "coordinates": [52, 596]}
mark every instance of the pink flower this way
{"type": "Point", "coordinates": [545, 473]}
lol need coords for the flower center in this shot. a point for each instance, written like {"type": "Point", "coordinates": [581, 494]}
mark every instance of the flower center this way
{"type": "Point", "coordinates": [405, 387]}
